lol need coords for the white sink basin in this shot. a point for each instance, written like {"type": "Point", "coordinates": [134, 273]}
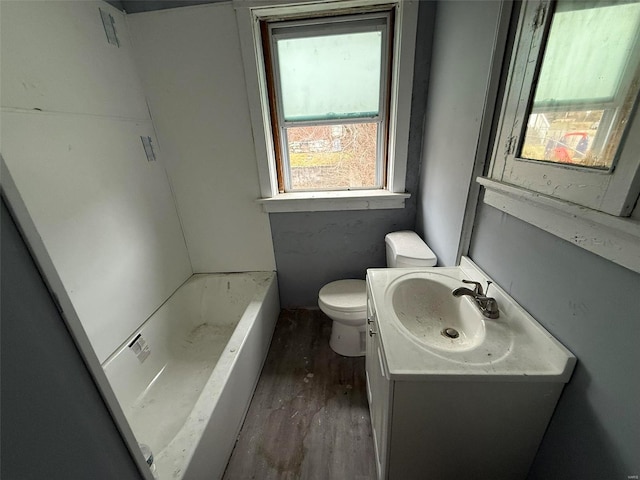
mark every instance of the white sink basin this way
{"type": "Point", "coordinates": [411, 310]}
{"type": "Point", "coordinates": [425, 307]}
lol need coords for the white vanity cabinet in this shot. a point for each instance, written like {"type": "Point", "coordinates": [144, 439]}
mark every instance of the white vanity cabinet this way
{"type": "Point", "coordinates": [379, 392]}
{"type": "Point", "coordinates": [431, 423]}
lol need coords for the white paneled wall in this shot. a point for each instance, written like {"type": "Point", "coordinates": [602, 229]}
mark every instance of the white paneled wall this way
{"type": "Point", "coordinates": [191, 64]}
{"type": "Point", "coordinates": [73, 111]}
{"type": "Point", "coordinates": [55, 57]}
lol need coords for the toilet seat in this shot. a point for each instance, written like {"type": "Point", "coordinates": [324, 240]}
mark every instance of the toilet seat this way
{"type": "Point", "coordinates": [344, 296]}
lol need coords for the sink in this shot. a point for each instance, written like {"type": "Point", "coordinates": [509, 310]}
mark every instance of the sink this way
{"type": "Point", "coordinates": [426, 332]}
{"type": "Point", "coordinates": [426, 309]}
{"type": "Point", "coordinates": [422, 305]}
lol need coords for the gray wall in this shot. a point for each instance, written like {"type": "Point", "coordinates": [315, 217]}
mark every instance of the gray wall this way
{"type": "Point", "coordinates": [593, 307]}
{"type": "Point", "coordinates": [315, 248]}
{"type": "Point", "coordinates": [461, 63]}
{"type": "Point", "coordinates": [55, 424]}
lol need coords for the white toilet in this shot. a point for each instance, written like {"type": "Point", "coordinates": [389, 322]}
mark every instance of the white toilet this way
{"type": "Point", "coordinates": [345, 301]}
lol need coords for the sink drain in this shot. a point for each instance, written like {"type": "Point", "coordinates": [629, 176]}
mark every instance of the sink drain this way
{"type": "Point", "coordinates": [450, 333]}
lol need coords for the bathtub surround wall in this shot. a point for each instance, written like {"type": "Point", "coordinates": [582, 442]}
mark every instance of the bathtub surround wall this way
{"type": "Point", "coordinates": [73, 112]}
{"type": "Point", "coordinates": [190, 62]}
{"type": "Point", "coordinates": [315, 248]}
{"type": "Point", "coordinates": [586, 302]}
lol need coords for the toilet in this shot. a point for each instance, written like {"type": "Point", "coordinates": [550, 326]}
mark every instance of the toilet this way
{"type": "Point", "coordinates": [345, 301]}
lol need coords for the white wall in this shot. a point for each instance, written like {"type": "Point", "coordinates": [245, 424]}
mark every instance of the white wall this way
{"type": "Point", "coordinates": [73, 111]}
{"type": "Point", "coordinates": [191, 64]}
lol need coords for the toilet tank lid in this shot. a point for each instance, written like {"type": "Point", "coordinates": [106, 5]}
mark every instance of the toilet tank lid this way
{"type": "Point", "coordinates": [345, 295]}
{"type": "Point", "coordinates": [407, 244]}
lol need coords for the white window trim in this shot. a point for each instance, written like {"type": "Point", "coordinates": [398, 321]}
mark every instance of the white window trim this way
{"type": "Point", "coordinates": [249, 13]}
{"type": "Point", "coordinates": [612, 237]}
{"type": "Point", "coordinates": [615, 238]}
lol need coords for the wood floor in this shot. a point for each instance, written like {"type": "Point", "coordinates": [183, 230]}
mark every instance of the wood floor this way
{"type": "Point", "coordinates": [309, 417]}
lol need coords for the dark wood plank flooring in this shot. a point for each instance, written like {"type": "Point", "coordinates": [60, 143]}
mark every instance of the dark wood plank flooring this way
{"type": "Point", "coordinates": [309, 416]}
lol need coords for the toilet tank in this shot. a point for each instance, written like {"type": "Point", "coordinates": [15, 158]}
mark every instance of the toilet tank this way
{"type": "Point", "coordinates": [406, 249]}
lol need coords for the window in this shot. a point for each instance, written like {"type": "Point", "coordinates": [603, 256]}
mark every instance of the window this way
{"type": "Point", "coordinates": [571, 95]}
{"type": "Point", "coordinates": [584, 92]}
{"type": "Point", "coordinates": [567, 150]}
{"type": "Point", "coordinates": [329, 87]}
{"type": "Point", "coordinates": [328, 91]}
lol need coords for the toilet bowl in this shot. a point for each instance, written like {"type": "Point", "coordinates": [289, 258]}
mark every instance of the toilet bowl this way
{"type": "Point", "coordinates": [345, 301]}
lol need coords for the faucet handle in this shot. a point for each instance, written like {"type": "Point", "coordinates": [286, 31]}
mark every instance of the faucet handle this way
{"type": "Point", "coordinates": [491, 309]}
{"type": "Point", "coordinates": [477, 286]}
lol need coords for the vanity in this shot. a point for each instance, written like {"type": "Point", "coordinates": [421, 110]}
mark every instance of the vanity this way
{"type": "Point", "coordinates": [452, 393]}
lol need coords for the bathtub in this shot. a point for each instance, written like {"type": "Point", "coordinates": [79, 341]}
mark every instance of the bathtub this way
{"type": "Point", "coordinates": [185, 378]}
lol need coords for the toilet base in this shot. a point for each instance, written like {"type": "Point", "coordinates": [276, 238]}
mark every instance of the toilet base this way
{"type": "Point", "coordinates": [348, 341]}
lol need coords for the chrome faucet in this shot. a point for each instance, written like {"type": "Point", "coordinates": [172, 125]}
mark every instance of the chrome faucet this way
{"type": "Point", "coordinates": [487, 305]}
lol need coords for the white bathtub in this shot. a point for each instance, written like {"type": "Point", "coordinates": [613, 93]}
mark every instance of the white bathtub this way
{"type": "Point", "coordinates": [187, 390]}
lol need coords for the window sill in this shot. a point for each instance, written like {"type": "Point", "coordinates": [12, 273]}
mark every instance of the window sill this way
{"type": "Point", "coordinates": [614, 238]}
{"type": "Point", "coordinates": [331, 201]}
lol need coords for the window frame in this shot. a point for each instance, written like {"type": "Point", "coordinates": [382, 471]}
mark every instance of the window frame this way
{"type": "Point", "coordinates": [612, 191]}
{"type": "Point", "coordinates": [250, 14]}
{"type": "Point", "coordinates": [286, 29]}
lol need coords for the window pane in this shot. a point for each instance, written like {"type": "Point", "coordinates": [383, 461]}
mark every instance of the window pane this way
{"type": "Point", "coordinates": [587, 52]}
{"type": "Point", "coordinates": [586, 86]}
{"type": "Point", "coordinates": [333, 76]}
{"type": "Point", "coordinates": [564, 137]}
{"type": "Point", "coordinates": [329, 157]}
